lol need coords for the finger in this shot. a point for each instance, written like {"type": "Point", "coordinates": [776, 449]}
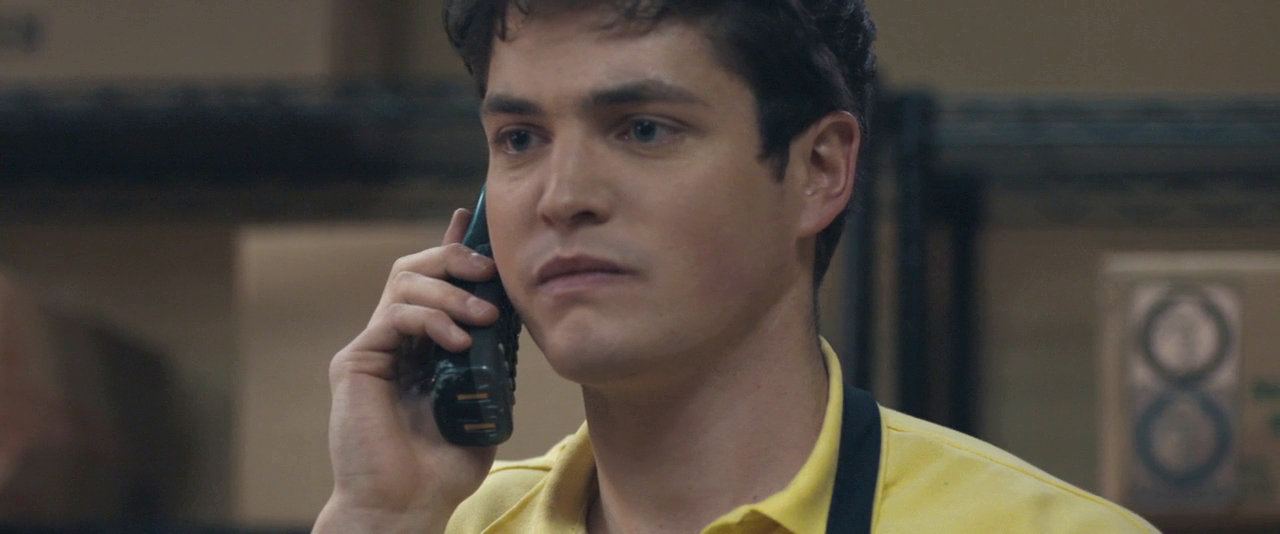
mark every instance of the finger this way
{"type": "Point", "coordinates": [417, 321]}
{"type": "Point", "coordinates": [454, 260]}
{"type": "Point", "coordinates": [448, 261]}
{"type": "Point", "coordinates": [412, 288]}
{"type": "Point", "coordinates": [457, 226]}
{"type": "Point", "coordinates": [389, 327]}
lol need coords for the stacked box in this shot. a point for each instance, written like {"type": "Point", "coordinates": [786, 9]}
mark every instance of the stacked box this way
{"type": "Point", "coordinates": [1190, 371]}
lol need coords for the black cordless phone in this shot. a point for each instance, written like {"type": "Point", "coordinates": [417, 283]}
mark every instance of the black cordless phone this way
{"type": "Point", "coordinates": [472, 392]}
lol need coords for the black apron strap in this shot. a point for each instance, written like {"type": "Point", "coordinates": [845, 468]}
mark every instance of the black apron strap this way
{"type": "Point", "coordinates": [854, 493]}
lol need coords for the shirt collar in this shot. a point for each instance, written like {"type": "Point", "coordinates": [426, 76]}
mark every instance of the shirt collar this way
{"type": "Point", "coordinates": [800, 508]}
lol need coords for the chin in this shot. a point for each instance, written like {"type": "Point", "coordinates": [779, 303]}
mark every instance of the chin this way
{"type": "Point", "coordinates": [593, 357]}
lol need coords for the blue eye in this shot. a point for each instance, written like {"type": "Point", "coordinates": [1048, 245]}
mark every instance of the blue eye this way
{"type": "Point", "coordinates": [519, 140]}
{"type": "Point", "coordinates": [644, 131]}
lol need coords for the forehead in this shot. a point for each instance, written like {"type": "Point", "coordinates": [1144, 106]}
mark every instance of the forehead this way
{"type": "Point", "coordinates": [568, 52]}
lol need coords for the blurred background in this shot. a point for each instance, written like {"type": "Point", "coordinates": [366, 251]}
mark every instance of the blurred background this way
{"type": "Point", "coordinates": [1067, 243]}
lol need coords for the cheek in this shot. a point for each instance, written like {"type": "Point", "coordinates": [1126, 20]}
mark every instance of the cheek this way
{"type": "Point", "coordinates": [504, 246]}
{"type": "Point", "coordinates": [729, 231]}
{"type": "Point", "coordinates": [507, 239]}
{"type": "Point", "coordinates": [724, 256]}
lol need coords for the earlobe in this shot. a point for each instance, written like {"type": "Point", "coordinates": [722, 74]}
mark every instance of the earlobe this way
{"type": "Point", "coordinates": [830, 162]}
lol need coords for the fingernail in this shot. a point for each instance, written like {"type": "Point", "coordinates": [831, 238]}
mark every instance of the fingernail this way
{"type": "Point", "coordinates": [477, 305]}
{"type": "Point", "coordinates": [480, 260]}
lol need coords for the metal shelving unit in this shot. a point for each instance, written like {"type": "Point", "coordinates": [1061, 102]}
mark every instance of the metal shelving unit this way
{"type": "Point", "coordinates": [963, 165]}
{"type": "Point", "coordinates": [1108, 162]}
{"type": "Point", "coordinates": [310, 132]}
{"type": "Point", "coordinates": [983, 163]}
{"type": "Point", "coordinates": [251, 151]}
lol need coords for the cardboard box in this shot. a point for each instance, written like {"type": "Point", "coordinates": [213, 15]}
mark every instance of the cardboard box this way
{"type": "Point", "coordinates": [1191, 383]}
{"type": "Point", "coordinates": [61, 40]}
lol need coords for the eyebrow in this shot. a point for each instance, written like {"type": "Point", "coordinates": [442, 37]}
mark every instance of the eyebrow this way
{"type": "Point", "coordinates": [500, 104]}
{"type": "Point", "coordinates": [635, 92]}
{"type": "Point", "coordinates": [641, 91]}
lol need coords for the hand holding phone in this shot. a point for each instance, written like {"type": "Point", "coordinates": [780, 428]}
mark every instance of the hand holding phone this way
{"type": "Point", "coordinates": [391, 466]}
{"type": "Point", "coordinates": [472, 392]}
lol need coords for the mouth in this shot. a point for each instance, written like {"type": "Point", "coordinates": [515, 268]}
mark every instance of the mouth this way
{"type": "Point", "coordinates": [564, 268]}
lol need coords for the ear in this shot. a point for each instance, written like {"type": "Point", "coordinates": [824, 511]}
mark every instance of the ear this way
{"type": "Point", "coordinates": [824, 159]}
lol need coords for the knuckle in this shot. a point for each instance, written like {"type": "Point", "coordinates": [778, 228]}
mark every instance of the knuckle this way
{"type": "Point", "coordinates": [340, 367]}
{"type": "Point", "coordinates": [401, 265]}
{"type": "Point", "coordinates": [403, 278]}
{"type": "Point", "coordinates": [396, 312]}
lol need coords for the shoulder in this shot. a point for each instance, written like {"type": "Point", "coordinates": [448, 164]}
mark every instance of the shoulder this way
{"type": "Point", "coordinates": [508, 483]}
{"type": "Point", "coordinates": [511, 485]}
{"type": "Point", "coordinates": [932, 476]}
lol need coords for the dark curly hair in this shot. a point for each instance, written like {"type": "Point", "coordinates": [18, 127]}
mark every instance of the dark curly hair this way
{"type": "Point", "coordinates": [802, 59]}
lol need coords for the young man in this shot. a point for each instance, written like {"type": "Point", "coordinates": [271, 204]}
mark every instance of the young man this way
{"type": "Point", "coordinates": [666, 184]}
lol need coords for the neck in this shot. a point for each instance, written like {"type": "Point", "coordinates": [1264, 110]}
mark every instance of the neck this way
{"type": "Point", "coordinates": [674, 457]}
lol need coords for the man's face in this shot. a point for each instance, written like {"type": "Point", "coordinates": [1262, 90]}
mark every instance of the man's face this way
{"type": "Point", "coordinates": [632, 222]}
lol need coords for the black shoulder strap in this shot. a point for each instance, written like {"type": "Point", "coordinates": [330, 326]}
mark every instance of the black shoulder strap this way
{"type": "Point", "coordinates": [858, 465]}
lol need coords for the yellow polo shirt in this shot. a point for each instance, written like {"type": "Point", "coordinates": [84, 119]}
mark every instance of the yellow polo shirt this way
{"type": "Point", "coordinates": [930, 479]}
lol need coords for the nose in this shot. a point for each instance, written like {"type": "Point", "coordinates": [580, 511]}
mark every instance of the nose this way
{"type": "Point", "coordinates": [576, 191]}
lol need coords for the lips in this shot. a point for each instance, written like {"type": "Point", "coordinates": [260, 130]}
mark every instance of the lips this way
{"type": "Point", "coordinates": [563, 267]}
